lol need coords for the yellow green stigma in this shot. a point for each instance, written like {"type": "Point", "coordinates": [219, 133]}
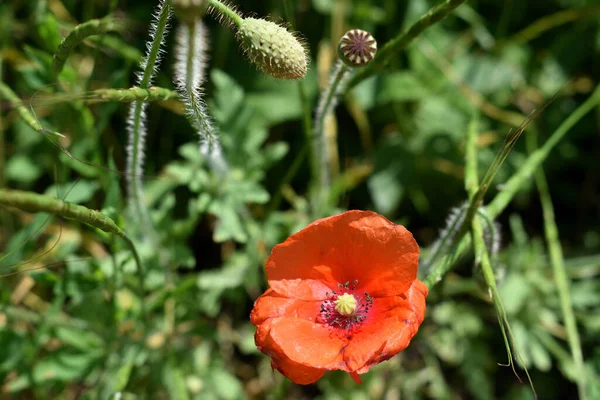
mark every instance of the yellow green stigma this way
{"type": "Point", "coordinates": [345, 304]}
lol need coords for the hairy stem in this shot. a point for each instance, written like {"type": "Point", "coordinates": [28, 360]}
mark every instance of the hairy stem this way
{"type": "Point", "coordinates": [394, 46]}
{"type": "Point", "coordinates": [136, 120]}
{"type": "Point", "coordinates": [514, 184]}
{"type": "Point", "coordinates": [320, 146]}
{"type": "Point", "coordinates": [224, 10]}
{"type": "Point", "coordinates": [33, 202]}
{"type": "Point", "coordinates": [78, 35]}
{"type": "Point", "coordinates": [189, 76]}
{"type": "Point", "coordinates": [26, 115]}
{"type": "Point", "coordinates": [130, 95]}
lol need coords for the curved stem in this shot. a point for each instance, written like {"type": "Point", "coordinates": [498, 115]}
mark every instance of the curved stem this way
{"type": "Point", "coordinates": [78, 35]}
{"type": "Point", "coordinates": [563, 283]}
{"type": "Point", "coordinates": [224, 10]}
{"type": "Point", "coordinates": [320, 148]}
{"type": "Point", "coordinates": [394, 46]}
{"type": "Point", "coordinates": [33, 202]}
{"type": "Point", "coordinates": [136, 126]}
{"type": "Point", "coordinates": [514, 184]}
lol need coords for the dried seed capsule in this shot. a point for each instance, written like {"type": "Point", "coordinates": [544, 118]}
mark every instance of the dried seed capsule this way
{"type": "Point", "coordinates": [357, 48]}
{"type": "Point", "coordinates": [273, 49]}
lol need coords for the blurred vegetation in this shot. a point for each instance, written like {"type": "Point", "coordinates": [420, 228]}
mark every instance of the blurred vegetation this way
{"type": "Point", "coordinates": [72, 322]}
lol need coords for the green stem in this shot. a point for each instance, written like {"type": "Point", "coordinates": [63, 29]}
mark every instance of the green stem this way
{"type": "Point", "coordinates": [459, 223]}
{"type": "Point", "coordinates": [517, 181]}
{"type": "Point", "coordinates": [502, 199]}
{"type": "Point", "coordinates": [78, 35]}
{"type": "Point", "coordinates": [394, 46]}
{"type": "Point", "coordinates": [130, 95]}
{"type": "Point", "coordinates": [137, 129]}
{"type": "Point", "coordinates": [482, 256]}
{"type": "Point", "coordinates": [224, 10]}
{"type": "Point", "coordinates": [561, 278]}
{"type": "Point", "coordinates": [33, 202]}
{"type": "Point", "coordinates": [25, 114]}
{"type": "Point", "coordinates": [320, 149]}
{"type": "Point", "coordinates": [544, 24]}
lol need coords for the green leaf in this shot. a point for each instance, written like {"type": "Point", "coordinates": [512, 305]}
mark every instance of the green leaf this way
{"type": "Point", "coordinates": [514, 291]}
{"type": "Point", "coordinates": [21, 168]}
{"type": "Point", "coordinates": [400, 86]}
{"type": "Point", "coordinates": [225, 385]}
{"type": "Point", "coordinates": [174, 381]}
{"type": "Point", "coordinates": [77, 192]}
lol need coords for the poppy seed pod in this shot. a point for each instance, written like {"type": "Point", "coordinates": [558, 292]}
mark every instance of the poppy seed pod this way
{"type": "Point", "coordinates": [357, 48]}
{"type": "Point", "coordinates": [273, 49]}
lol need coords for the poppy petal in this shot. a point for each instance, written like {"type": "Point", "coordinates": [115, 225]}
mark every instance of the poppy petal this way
{"type": "Point", "coordinates": [355, 245]}
{"type": "Point", "coordinates": [296, 372]}
{"type": "Point", "coordinates": [303, 342]}
{"type": "Point", "coordinates": [308, 343]}
{"type": "Point", "coordinates": [273, 305]}
{"type": "Point", "coordinates": [389, 332]}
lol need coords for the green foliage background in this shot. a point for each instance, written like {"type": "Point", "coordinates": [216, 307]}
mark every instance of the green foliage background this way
{"type": "Point", "coordinates": [71, 319]}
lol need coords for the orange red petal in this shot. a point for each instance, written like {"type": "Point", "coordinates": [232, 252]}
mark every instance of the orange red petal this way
{"type": "Point", "coordinates": [295, 325]}
{"type": "Point", "coordinates": [389, 332]}
{"type": "Point", "coordinates": [355, 245]}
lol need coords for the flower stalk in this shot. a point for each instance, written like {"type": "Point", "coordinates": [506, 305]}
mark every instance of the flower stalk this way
{"type": "Point", "coordinates": [225, 11]}
{"type": "Point", "coordinates": [78, 35]}
{"type": "Point", "coordinates": [356, 49]}
{"type": "Point", "coordinates": [136, 120]}
{"type": "Point", "coordinates": [130, 95]}
{"type": "Point", "coordinates": [563, 283]}
{"type": "Point", "coordinates": [394, 46]}
{"type": "Point", "coordinates": [189, 76]}
{"type": "Point", "coordinates": [26, 115]}
{"type": "Point", "coordinates": [33, 202]}
{"type": "Point", "coordinates": [320, 143]}
{"type": "Point", "coordinates": [513, 185]}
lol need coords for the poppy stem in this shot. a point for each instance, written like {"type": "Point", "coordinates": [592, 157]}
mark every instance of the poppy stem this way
{"type": "Point", "coordinates": [561, 278]}
{"type": "Point", "coordinates": [225, 11]}
{"type": "Point", "coordinates": [513, 185]}
{"type": "Point", "coordinates": [396, 45]}
{"type": "Point", "coordinates": [321, 149]}
{"type": "Point", "coordinates": [33, 202]}
{"type": "Point", "coordinates": [189, 76]}
{"type": "Point", "coordinates": [78, 35]}
{"type": "Point", "coordinates": [136, 122]}
{"type": "Point", "coordinates": [26, 114]}
{"type": "Point", "coordinates": [130, 95]}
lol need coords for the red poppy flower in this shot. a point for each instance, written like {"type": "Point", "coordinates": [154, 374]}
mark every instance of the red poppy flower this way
{"type": "Point", "coordinates": [344, 295]}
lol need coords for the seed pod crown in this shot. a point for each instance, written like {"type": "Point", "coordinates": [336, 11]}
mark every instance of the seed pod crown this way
{"type": "Point", "coordinates": [357, 48]}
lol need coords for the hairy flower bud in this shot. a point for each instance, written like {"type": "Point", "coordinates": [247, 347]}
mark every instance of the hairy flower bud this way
{"type": "Point", "coordinates": [273, 49]}
{"type": "Point", "coordinates": [357, 48]}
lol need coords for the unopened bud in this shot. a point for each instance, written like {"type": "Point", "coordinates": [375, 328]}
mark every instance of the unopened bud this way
{"type": "Point", "coordinates": [273, 49]}
{"type": "Point", "coordinates": [357, 48]}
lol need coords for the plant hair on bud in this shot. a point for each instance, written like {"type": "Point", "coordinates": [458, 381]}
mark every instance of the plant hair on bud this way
{"type": "Point", "coordinates": [273, 49]}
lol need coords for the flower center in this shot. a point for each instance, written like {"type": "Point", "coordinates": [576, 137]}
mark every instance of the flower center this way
{"type": "Point", "coordinates": [345, 304]}
{"type": "Point", "coordinates": [346, 309]}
